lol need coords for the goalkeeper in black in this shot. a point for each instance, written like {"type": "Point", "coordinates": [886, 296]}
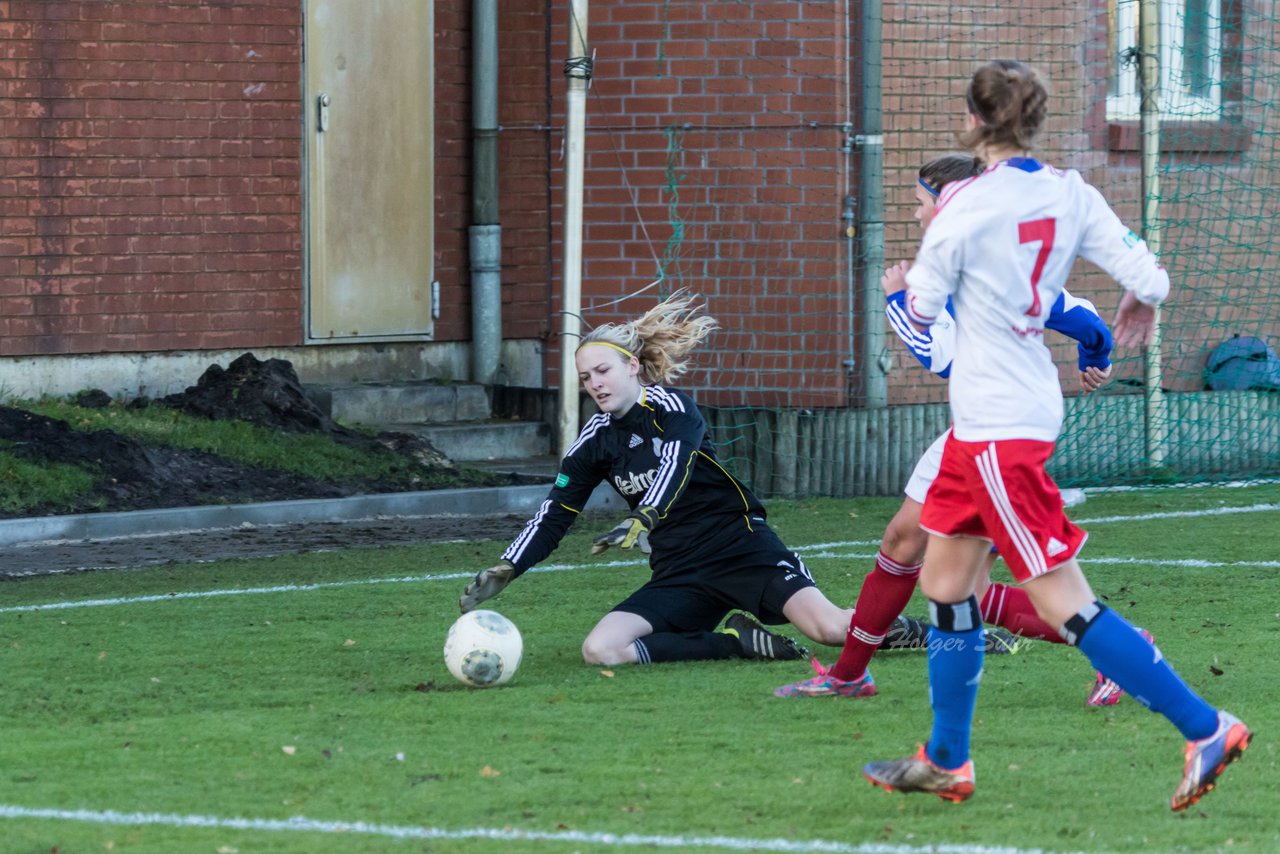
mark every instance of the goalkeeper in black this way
{"type": "Point", "coordinates": [711, 550]}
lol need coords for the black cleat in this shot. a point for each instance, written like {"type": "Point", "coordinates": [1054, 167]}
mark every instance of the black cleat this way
{"type": "Point", "coordinates": [910, 633]}
{"type": "Point", "coordinates": [759, 643]}
{"type": "Point", "coordinates": [906, 633]}
{"type": "Point", "coordinates": [1000, 642]}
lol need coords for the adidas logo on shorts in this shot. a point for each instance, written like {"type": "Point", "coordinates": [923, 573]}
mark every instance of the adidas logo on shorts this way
{"type": "Point", "coordinates": [1056, 547]}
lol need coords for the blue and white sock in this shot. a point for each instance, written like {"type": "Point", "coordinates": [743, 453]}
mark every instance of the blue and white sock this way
{"type": "Point", "coordinates": [956, 647]}
{"type": "Point", "coordinates": [1119, 651]}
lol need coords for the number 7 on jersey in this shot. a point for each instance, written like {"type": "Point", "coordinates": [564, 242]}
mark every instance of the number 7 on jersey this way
{"type": "Point", "coordinates": [1037, 231]}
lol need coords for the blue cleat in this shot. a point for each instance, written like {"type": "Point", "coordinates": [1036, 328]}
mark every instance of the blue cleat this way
{"type": "Point", "coordinates": [1208, 758]}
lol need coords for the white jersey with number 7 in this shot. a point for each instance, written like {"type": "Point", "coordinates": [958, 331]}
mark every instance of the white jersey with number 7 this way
{"type": "Point", "coordinates": [1001, 245]}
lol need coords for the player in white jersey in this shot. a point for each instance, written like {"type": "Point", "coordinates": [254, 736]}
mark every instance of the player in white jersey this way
{"type": "Point", "coordinates": [1001, 247]}
{"type": "Point", "coordinates": [887, 589]}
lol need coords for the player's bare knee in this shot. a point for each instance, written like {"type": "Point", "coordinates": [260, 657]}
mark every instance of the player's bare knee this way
{"type": "Point", "coordinates": [828, 626]}
{"type": "Point", "coordinates": [833, 629]}
{"type": "Point", "coordinates": [600, 652]}
{"type": "Point", "coordinates": [1048, 614]}
{"type": "Point", "coordinates": [591, 651]}
{"type": "Point", "coordinates": [904, 542]}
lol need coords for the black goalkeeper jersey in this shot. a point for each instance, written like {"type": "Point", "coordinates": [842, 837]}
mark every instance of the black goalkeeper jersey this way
{"type": "Point", "coordinates": [657, 455]}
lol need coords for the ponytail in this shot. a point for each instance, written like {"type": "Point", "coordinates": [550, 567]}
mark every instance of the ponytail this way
{"type": "Point", "coordinates": [660, 338]}
{"type": "Point", "coordinates": [1010, 100]}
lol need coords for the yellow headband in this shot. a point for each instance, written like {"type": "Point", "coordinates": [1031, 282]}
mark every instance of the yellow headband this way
{"type": "Point", "coordinates": [623, 350]}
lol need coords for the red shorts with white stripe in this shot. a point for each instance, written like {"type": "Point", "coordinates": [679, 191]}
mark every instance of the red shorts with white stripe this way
{"type": "Point", "coordinates": [999, 491]}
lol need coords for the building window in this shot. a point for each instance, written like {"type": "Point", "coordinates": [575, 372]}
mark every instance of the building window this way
{"type": "Point", "coordinates": [1195, 58]}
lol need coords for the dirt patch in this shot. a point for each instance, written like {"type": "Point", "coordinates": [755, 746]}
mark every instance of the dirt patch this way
{"type": "Point", "coordinates": [134, 475]}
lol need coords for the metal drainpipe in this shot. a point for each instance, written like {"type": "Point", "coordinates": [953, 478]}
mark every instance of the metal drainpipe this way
{"type": "Point", "coordinates": [875, 356]}
{"type": "Point", "coordinates": [1156, 408]}
{"type": "Point", "coordinates": [485, 233]}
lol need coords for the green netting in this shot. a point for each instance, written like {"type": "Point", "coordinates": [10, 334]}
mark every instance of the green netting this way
{"type": "Point", "coordinates": [727, 151]}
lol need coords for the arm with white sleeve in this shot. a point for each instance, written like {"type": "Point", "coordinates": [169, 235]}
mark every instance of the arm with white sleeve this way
{"type": "Point", "coordinates": [933, 347]}
{"type": "Point", "coordinates": [933, 278]}
{"type": "Point", "coordinates": [1110, 244]}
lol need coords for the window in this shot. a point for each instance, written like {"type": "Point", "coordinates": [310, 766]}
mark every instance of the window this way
{"type": "Point", "coordinates": [1194, 59]}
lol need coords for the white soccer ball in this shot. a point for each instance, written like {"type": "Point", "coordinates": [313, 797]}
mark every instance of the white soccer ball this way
{"type": "Point", "coordinates": [483, 649]}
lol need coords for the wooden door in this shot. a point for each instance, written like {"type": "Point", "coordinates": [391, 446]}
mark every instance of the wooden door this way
{"type": "Point", "coordinates": [369, 159]}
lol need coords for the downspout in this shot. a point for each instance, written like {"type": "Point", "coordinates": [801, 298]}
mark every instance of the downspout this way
{"type": "Point", "coordinates": [577, 68]}
{"type": "Point", "coordinates": [485, 233]}
{"type": "Point", "coordinates": [870, 142]}
{"type": "Point", "coordinates": [1157, 416]}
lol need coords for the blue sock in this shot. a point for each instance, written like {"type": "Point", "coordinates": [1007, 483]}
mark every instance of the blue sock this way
{"type": "Point", "coordinates": [956, 647]}
{"type": "Point", "coordinates": [1120, 652]}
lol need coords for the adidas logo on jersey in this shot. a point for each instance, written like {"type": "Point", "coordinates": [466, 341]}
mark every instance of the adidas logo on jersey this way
{"type": "Point", "coordinates": [635, 441]}
{"type": "Point", "coordinates": [1056, 547]}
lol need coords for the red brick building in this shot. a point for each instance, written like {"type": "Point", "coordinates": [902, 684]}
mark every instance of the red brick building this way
{"type": "Point", "coordinates": [167, 199]}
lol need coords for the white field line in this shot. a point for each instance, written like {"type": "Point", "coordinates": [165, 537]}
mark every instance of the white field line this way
{"type": "Point", "coordinates": [1182, 563]}
{"type": "Point", "coordinates": [1164, 487]}
{"type": "Point", "coordinates": [296, 588]}
{"type": "Point", "coordinates": [817, 550]}
{"type": "Point", "coordinates": [301, 824]}
{"type": "Point", "coordinates": [1182, 514]}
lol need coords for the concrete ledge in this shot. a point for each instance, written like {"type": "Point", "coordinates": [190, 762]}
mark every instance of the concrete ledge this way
{"type": "Point", "coordinates": [412, 402]}
{"type": "Point", "coordinates": [483, 440]}
{"type": "Point", "coordinates": [442, 502]}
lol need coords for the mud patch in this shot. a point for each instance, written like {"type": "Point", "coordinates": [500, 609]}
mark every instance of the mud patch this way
{"type": "Point", "coordinates": [136, 476]}
{"type": "Point", "coordinates": [133, 475]}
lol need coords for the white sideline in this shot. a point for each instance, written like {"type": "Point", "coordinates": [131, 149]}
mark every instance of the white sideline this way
{"type": "Point", "coordinates": [294, 588]}
{"type": "Point", "coordinates": [1180, 514]}
{"type": "Point", "coordinates": [307, 825]}
{"type": "Point", "coordinates": [1188, 563]}
{"type": "Point", "coordinates": [817, 550]}
{"type": "Point", "coordinates": [1191, 563]}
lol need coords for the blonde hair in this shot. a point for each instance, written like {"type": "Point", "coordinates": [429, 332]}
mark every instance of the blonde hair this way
{"type": "Point", "coordinates": [660, 338]}
{"type": "Point", "coordinates": [1010, 100]}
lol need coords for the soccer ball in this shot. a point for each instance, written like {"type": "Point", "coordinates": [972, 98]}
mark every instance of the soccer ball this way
{"type": "Point", "coordinates": [483, 649]}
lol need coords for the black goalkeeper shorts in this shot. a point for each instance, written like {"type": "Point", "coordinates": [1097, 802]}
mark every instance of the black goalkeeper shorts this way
{"type": "Point", "coordinates": [755, 573]}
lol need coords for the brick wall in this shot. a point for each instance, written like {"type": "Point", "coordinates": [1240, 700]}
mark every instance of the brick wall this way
{"type": "Point", "coordinates": [523, 164]}
{"type": "Point", "coordinates": [149, 175]}
{"type": "Point", "coordinates": [150, 186]}
{"type": "Point", "coordinates": [1219, 238]}
{"type": "Point", "coordinates": [713, 160]}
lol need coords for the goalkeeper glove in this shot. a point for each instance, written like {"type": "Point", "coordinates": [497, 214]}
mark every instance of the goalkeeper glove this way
{"type": "Point", "coordinates": [487, 584]}
{"type": "Point", "coordinates": [628, 531]}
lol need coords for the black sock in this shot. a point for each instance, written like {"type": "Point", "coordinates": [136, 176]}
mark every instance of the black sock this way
{"type": "Point", "coordinates": [687, 646]}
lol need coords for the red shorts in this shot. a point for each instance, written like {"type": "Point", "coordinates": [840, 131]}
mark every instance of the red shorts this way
{"type": "Point", "coordinates": [999, 491]}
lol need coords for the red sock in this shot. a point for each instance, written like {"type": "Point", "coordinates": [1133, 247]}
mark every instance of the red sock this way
{"type": "Point", "coordinates": [885, 593]}
{"type": "Point", "coordinates": [1011, 608]}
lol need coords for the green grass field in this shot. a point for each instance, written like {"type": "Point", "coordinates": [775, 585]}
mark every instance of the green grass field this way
{"type": "Point", "coordinates": [300, 704]}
